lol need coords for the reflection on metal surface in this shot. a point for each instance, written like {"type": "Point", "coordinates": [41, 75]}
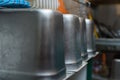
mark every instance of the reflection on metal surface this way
{"type": "Point", "coordinates": [115, 69]}
{"type": "Point", "coordinates": [83, 38]}
{"type": "Point", "coordinates": [90, 36]}
{"type": "Point", "coordinates": [72, 41]}
{"type": "Point", "coordinates": [79, 74]}
{"type": "Point", "coordinates": [31, 45]}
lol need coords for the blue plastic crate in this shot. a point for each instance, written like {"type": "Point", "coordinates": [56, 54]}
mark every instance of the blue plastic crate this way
{"type": "Point", "coordinates": [14, 3]}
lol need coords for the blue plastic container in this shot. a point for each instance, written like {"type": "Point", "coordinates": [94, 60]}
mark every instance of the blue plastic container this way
{"type": "Point", "coordinates": [14, 3]}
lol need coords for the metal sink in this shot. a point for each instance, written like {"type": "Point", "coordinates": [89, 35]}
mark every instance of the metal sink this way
{"type": "Point", "coordinates": [72, 33]}
{"type": "Point", "coordinates": [83, 38]}
{"type": "Point", "coordinates": [31, 45]}
{"type": "Point", "coordinates": [90, 36]}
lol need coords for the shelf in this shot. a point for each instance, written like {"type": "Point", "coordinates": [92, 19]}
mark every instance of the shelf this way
{"type": "Point", "coordinates": [91, 56]}
{"type": "Point", "coordinates": [79, 74]}
{"type": "Point", "coordinates": [108, 44]}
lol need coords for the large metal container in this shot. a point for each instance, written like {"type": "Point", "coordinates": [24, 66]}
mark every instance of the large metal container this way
{"type": "Point", "coordinates": [115, 74]}
{"type": "Point", "coordinates": [83, 38]}
{"type": "Point", "coordinates": [90, 36]}
{"type": "Point", "coordinates": [31, 45]}
{"type": "Point", "coordinates": [72, 42]}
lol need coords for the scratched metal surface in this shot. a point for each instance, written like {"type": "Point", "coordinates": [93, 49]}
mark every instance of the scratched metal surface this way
{"type": "Point", "coordinates": [31, 45]}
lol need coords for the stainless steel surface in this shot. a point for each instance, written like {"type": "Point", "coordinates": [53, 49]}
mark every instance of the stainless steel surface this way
{"type": "Point", "coordinates": [83, 38]}
{"type": "Point", "coordinates": [79, 74]}
{"type": "Point", "coordinates": [31, 45]}
{"type": "Point", "coordinates": [72, 42]}
{"type": "Point", "coordinates": [115, 69]}
{"type": "Point", "coordinates": [109, 42]}
{"type": "Point", "coordinates": [90, 36]}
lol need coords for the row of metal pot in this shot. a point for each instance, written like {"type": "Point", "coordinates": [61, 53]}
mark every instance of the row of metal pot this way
{"type": "Point", "coordinates": [38, 44]}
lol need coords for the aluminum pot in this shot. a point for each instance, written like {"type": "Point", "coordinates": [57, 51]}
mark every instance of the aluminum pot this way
{"type": "Point", "coordinates": [90, 36]}
{"type": "Point", "coordinates": [83, 38]}
{"type": "Point", "coordinates": [31, 45]}
{"type": "Point", "coordinates": [72, 42]}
